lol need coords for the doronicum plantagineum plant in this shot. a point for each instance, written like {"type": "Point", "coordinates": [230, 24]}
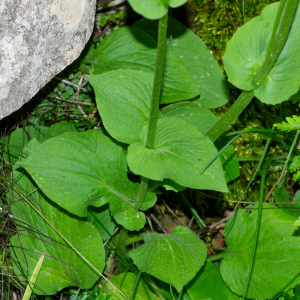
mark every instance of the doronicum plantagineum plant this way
{"type": "Point", "coordinates": [155, 83]}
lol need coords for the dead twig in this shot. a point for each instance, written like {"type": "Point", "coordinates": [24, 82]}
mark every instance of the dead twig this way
{"type": "Point", "coordinates": [158, 223]}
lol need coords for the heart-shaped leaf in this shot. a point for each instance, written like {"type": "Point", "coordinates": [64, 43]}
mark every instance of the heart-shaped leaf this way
{"type": "Point", "coordinates": [133, 48]}
{"type": "Point", "coordinates": [277, 256]}
{"type": "Point", "coordinates": [193, 113]}
{"type": "Point", "coordinates": [174, 258]}
{"type": "Point", "coordinates": [180, 153]}
{"type": "Point", "coordinates": [197, 58]}
{"type": "Point", "coordinates": [208, 284]}
{"type": "Point", "coordinates": [79, 169]}
{"type": "Point", "coordinates": [246, 52]}
{"type": "Point", "coordinates": [62, 267]}
{"type": "Point", "coordinates": [123, 99]}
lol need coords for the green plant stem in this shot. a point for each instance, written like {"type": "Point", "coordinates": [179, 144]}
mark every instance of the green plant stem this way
{"type": "Point", "coordinates": [234, 111]}
{"type": "Point", "coordinates": [279, 42]}
{"type": "Point", "coordinates": [276, 25]}
{"type": "Point", "coordinates": [158, 75]}
{"type": "Point", "coordinates": [216, 257]}
{"type": "Point", "coordinates": [154, 107]}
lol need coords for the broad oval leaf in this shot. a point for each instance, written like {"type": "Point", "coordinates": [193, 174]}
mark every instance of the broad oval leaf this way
{"type": "Point", "coordinates": [123, 100]}
{"type": "Point", "coordinates": [193, 113]}
{"type": "Point", "coordinates": [76, 170]}
{"type": "Point", "coordinates": [246, 52]}
{"type": "Point", "coordinates": [198, 59]}
{"type": "Point", "coordinates": [174, 258]}
{"type": "Point", "coordinates": [19, 139]}
{"type": "Point", "coordinates": [180, 153]}
{"type": "Point", "coordinates": [209, 285]}
{"type": "Point", "coordinates": [277, 252]}
{"type": "Point", "coordinates": [133, 48]}
{"type": "Point", "coordinates": [62, 267]}
{"type": "Point", "coordinates": [150, 9]}
{"type": "Point", "coordinates": [125, 282]}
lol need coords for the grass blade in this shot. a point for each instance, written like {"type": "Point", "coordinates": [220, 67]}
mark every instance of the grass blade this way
{"type": "Point", "coordinates": [33, 278]}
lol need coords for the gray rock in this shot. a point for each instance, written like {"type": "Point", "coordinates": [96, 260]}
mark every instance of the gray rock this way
{"type": "Point", "coordinates": [38, 39]}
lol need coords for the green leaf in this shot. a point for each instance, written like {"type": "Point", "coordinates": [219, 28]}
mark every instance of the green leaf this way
{"type": "Point", "coordinates": [150, 9]}
{"type": "Point", "coordinates": [197, 58]}
{"type": "Point", "coordinates": [113, 18]}
{"type": "Point", "coordinates": [294, 167]}
{"type": "Point", "coordinates": [180, 153]}
{"type": "Point", "coordinates": [174, 258]}
{"type": "Point", "coordinates": [62, 267]}
{"type": "Point", "coordinates": [290, 124]}
{"type": "Point", "coordinates": [60, 128]}
{"type": "Point", "coordinates": [282, 195]}
{"type": "Point", "coordinates": [276, 256]}
{"type": "Point", "coordinates": [123, 100]}
{"type": "Point", "coordinates": [246, 52]}
{"type": "Point", "coordinates": [133, 48]}
{"type": "Point", "coordinates": [103, 20]}
{"type": "Point", "coordinates": [19, 139]}
{"type": "Point", "coordinates": [125, 283]}
{"type": "Point", "coordinates": [193, 113]}
{"type": "Point", "coordinates": [89, 171]}
{"type": "Point", "coordinates": [103, 214]}
{"type": "Point", "coordinates": [209, 285]}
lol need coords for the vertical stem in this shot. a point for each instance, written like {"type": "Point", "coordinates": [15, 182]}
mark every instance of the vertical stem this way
{"type": "Point", "coordinates": [158, 75]}
{"type": "Point", "coordinates": [154, 107]}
